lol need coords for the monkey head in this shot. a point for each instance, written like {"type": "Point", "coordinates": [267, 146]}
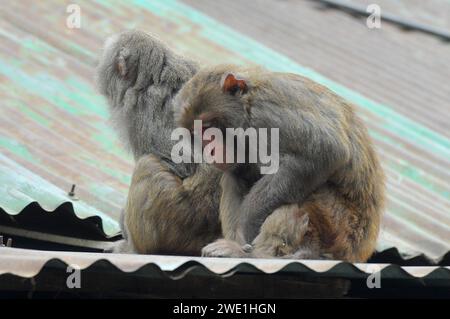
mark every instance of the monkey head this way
{"type": "Point", "coordinates": [132, 61]}
{"type": "Point", "coordinates": [283, 231]}
{"type": "Point", "coordinates": [214, 95]}
{"type": "Point", "coordinates": [219, 98]}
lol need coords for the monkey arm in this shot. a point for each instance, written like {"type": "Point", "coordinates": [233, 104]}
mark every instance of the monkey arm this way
{"type": "Point", "coordinates": [233, 192]}
{"type": "Point", "coordinates": [296, 178]}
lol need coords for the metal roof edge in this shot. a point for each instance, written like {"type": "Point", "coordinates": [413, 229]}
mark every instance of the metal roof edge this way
{"type": "Point", "coordinates": [96, 221]}
{"type": "Point", "coordinates": [32, 262]}
{"type": "Point", "coordinates": [27, 188]}
{"type": "Point", "coordinates": [386, 255]}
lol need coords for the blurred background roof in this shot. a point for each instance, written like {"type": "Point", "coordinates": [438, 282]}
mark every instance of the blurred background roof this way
{"type": "Point", "coordinates": [54, 129]}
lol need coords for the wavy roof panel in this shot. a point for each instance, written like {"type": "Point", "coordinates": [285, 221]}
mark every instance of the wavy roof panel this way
{"type": "Point", "coordinates": [54, 129]}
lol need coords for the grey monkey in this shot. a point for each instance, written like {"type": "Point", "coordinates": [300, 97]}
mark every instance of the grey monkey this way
{"type": "Point", "coordinates": [139, 76]}
{"type": "Point", "coordinates": [171, 208]}
{"type": "Point", "coordinates": [328, 170]}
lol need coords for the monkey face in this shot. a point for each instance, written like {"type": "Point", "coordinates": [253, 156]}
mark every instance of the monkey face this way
{"type": "Point", "coordinates": [283, 231]}
{"type": "Point", "coordinates": [214, 96]}
{"type": "Point", "coordinates": [211, 141]}
{"type": "Point", "coordinates": [214, 99]}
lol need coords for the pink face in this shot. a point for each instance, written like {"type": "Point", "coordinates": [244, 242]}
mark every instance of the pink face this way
{"type": "Point", "coordinates": [216, 150]}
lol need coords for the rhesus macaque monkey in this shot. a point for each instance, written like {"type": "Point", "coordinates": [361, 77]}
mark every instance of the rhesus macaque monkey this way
{"type": "Point", "coordinates": [171, 208]}
{"type": "Point", "coordinates": [325, 200]}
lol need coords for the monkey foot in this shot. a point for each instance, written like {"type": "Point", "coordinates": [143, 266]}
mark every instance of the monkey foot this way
{"type": "Point", "coordinates": [309, 254]}
{"type": "Point", "coordinates": [224, 248]}
{"type": "Point", "coordinates": [120, 247]}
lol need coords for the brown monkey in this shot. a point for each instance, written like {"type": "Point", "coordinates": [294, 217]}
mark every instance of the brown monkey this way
{"type": "Point", "coordinates": [327, 165]}
{"type": "Point", "coordinates": [168, 215]}
{"type": "Point", "coordinates": [171, 208]}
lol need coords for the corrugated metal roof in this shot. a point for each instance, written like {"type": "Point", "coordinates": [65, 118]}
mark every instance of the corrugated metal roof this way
{"type": "Point", "coordinates": [435, 13]}
{"type": "Point", "coordinates": [161, 276]}
{"type": "Point", "coordinates": [54, 130]}
{"type": "Point", "coordinates": [32, 261]}
{"type": "Point", "coordinates": [20, 187]}
{"type": "Point", "coordinates": [58, 229]}
{"type": "Point", "coordinates": [43, 270]}
{"type": "Point", "coordinates": [62, 230]}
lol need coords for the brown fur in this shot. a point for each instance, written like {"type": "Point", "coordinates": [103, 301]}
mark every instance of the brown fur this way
{"type": "Point", "coordinates": [167, 215]}
{"type": "Point", "coordinates": [342, 191]}
{"type": "Point", "coordinates": [171, 208]}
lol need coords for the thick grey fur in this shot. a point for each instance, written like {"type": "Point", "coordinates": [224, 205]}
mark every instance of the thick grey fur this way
{"type": "Point", "coordinates": [139, 75]}
{"type": "Point", "coordinates": [140, 95]}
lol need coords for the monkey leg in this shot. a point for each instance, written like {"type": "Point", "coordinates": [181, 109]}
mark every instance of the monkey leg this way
{"type": "Point", "coordinates": [281, 234]}
{"type": "Point", "coordinates": [345, 232]}
{"type": "Point", "coordinates": [233, 192]}
{"type": "Point", "coordinates": [123, 246]}
{"type": "Point", "coordinates": [167, 215]}
{"type": "Point", "coordinates": [326, 226]}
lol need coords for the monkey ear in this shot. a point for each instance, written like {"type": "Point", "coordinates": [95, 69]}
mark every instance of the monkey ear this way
{"type": "Point", "coordinates": [121, 61]}
{"type": "Point", "coordinates": [232, 85]}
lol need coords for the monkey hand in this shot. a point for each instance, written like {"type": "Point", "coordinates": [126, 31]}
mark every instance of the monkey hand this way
{"type": "Point", "coordinates": [226, 248]}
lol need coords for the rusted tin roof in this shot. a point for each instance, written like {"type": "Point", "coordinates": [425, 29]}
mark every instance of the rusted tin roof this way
{"type": "Point", "coordinates": [54, 128]}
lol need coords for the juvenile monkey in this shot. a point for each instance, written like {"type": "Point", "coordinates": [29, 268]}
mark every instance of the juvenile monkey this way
{"type": "Point", "coordinates": [329, 177]}
{"type": "Point", "coordinates": [171, 208]}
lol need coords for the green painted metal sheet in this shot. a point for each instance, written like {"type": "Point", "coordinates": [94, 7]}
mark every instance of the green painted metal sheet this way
{"type": "Point", "coordinates": [54, 129]}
